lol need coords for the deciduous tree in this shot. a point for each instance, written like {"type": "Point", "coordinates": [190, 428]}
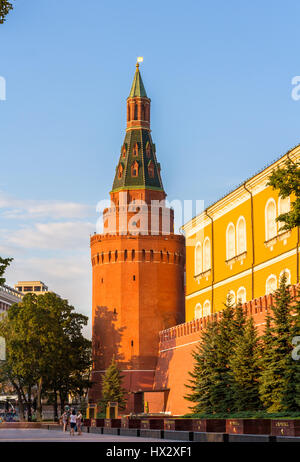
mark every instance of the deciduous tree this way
{"type": "Point", "coordinates": [5, 7]}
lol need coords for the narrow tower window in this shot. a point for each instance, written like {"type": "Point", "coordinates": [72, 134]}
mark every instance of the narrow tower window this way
{"type": "Point", "coordinates": [148, 149]}
{"type": "Point", "coordinates": [151, 169]}
{"type": "Point", "coordinates": [135, 151]}
{"type": "Point", "coordinates": [135, 169]}
{"type": "Point", "coordinates": [120, 171]}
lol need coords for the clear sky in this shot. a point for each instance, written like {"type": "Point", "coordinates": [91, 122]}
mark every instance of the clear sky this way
{"type": "Point", "coordinates": [219, 77]}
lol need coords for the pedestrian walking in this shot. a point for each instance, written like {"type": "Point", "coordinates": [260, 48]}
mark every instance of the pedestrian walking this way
{"type": "Point", "coordinates": [73, 422]}
{"type": "Point", "coordinates": [78, 422]}
{"type": "Point", "coordinates": [64, 419]}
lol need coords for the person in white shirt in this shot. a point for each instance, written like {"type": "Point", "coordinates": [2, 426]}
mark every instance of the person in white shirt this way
{"type": "Point", "coordinates": [73, 422]}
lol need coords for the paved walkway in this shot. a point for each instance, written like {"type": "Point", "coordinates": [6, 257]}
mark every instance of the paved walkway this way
{"type": "Point", "coordinates": [44, 435]}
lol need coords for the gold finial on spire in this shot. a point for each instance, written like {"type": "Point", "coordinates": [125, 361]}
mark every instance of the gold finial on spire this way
{"type": "Point", "coordinates": [140, 59]}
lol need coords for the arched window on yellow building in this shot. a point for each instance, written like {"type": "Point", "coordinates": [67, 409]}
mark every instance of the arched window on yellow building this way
{"type": "Point", "coordinates": [206, 308]}
{"type": "Point", "coordinates": [270, 219]}
{"type": "Point", "coordinates": [271, 284]}
{"type": "Point", "coordinates": [198, 258]}
{"type": "Point", "coordinates": [206, 254]}
{"type": "Point", "coordinates": [230, 241]}
{"type": "Point", "coordinates": [283, 207]}
{"type": "Point", "coordinates": [241, 243]}
{"type": "Point", "coordinates": [231, 297]}
{"type": "Point", "coordinates": [241, 295]}
{"type": "Point", "coordinates": [287, 275]}
{"type": "Point", "coordinates": [198, 311]}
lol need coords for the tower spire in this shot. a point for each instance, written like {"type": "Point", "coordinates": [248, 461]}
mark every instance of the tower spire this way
{"type": "Point", "coordinates": [138, 167]}
{"type": "Point", "coordinates": [137, 89]}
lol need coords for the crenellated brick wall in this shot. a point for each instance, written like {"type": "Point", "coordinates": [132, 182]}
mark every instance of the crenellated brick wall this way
{"type": "Point", "coordinates": [176, 345]}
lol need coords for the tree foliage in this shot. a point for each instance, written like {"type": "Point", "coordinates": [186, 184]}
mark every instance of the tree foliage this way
{"type": "Point", "coordinates": [5, 8]}
{"type": "Point", "coordinates": [45, 348]}
{"type": "Point", "coordinates": [201, 377]}
{"type": "Point", "coordinates": [4, 263]}
{"type": "Point", "coordinates": [287, 180]}
{"type": "Point", "coordinates": [279, 386]}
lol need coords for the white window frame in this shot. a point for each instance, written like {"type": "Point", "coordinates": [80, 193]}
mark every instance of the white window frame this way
{"type": "Point", "coordinates": [280, 224]}
{"type": "Point", "coordinates": [237, 294]}
{"type": "Point", "coordinates": [206, 306]}
{"type": "Point", "coordinates": [288, 275]}
{"type": "Point", "coordinates": [267, 283]}
{"type": "Point", "coordinates": [207, 266]}
{"type": "Point", "coordinates": [233, 298]}
{"type": "Point", "coordinates": [198, 308]}
{"type": "Point", "coordinates": [267, 231]}
{"type": "Point", "coordinates": [229, 256]}
{"type": "Point", "coordinates": [244, 247]}
{"type": "Point", "coordinates": [198, 260]}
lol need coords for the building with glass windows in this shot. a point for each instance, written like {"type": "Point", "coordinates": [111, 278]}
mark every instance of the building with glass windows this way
{"type": "Point", "coordinates": [31, 287]}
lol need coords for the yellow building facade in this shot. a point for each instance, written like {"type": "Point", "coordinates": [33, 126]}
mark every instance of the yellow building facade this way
{"type": "Point", "coordinates": [235, 246]}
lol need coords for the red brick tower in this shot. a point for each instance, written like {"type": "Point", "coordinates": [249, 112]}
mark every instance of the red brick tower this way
{"type": "Point", "coordinates": [137, 261]}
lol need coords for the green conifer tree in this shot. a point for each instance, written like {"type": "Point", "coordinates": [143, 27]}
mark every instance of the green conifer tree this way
{"type": "Point", "coordinates": [112, 389]}
{"type": "Point", "coordinates": [205, 363]}
{"type": "Point", "coordinates": [244, 365]}
{"type": "Point", "coordinates": [276, 360]}
{"type": "Point", "coordinates": [291, 396]}
{"type": "Point", "coordinates": [221, 393]}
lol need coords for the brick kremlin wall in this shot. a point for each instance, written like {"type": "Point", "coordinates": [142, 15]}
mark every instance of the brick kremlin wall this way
{"type": "Point", "coordinates": [175, 359]}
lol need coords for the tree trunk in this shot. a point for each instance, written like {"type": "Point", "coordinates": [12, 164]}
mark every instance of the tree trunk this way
{"type": "Point", "coordinates": [20, 403]}
{"type": "Point", "coordinates": [29, 416]}
{"type": "Point", "coordinates": [62, 397]}
{"type": "Point", "coordinates": [62, 403]}
{"type": "Point", "coordinates": [55, 407]}
{"type": "Point", "coordinates": [39, 415]}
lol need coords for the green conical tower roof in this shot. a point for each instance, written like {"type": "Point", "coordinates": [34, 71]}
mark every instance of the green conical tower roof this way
{"type": "Point", "coordinates": [138, 149]}
{"type": "Point", "coordinates": [137, 89]}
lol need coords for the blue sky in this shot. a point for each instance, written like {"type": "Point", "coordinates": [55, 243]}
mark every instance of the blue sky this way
{"type": "Point", "coordinates": [219, 77]}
